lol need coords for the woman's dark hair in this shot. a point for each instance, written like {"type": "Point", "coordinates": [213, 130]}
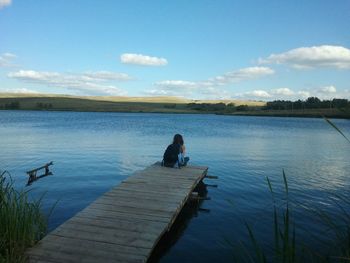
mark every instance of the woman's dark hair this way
{"type": "Point", "coordinates": [178, 139]}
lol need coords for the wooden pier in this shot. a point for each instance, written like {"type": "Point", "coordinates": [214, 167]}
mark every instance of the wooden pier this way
{"type": "Point", "coordinates": [126, 223]}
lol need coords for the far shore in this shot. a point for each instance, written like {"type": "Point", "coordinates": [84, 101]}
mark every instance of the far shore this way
{"type": "Point", "coordinates": [42, 102]}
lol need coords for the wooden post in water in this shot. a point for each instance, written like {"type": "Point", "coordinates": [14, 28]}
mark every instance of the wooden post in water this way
{"type": "Point", "coordinates": [32, 173]}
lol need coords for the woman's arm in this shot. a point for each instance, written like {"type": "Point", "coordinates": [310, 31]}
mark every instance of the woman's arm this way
{"type": "Point", "coordinates": [183, 149]}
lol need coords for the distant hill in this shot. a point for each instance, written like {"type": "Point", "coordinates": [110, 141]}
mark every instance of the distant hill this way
{"type": "Point", "coordinates": [156, 99]}
{"type": "Point", "coordinates": [161, 104]}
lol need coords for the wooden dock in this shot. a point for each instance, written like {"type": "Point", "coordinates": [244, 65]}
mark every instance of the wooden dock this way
{"type": "Point", "coordinates": [126, 223]}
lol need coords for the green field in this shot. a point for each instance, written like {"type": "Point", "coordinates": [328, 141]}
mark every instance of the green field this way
{"type": "Point", "coordinates": [106, 103]}
{"type": "Point", "coordinates": [10, 101]}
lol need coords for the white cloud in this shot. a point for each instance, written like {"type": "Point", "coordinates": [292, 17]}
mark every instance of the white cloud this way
{"type": "Point", "coordinates": [344, 94]}
{"type": "Point", "coordinates": [21, 90]}
{"type": "Point", "coordinates": [259, 94]}
{"type": "Point", "coordinates": [283, 92]}
{"type": "Point", "coordinates": [312, 57]}
{"type": "Point", "coordinates": [323, 93]}
{"type": "Point", "coordinates": [303, 94]}
{"type": "Point", "coordinates": [4, 3]}
{"type": "Point", "coordinates": [241, 74]}
{"type": "Point", "coordinates": [31, 75]}
{"type": "Point", "coordinates": [327, 89]}
{"type": "Point", "coordinates": [186, 88]}
{"type": "Point", "coordinates": [212, 86]}
{"type": "Point", "coordinates": [173, 88]}
{"type": "Point", "coordinates": [143, 60]}
{"type": "Point", "coordinates": [107, 75]}
{"type": "Point", "coordinates": [87, 83]}
{"type": "Point", "coordinates": [6, 59]}
{"type": "Point", "coordinates": [176, 84]}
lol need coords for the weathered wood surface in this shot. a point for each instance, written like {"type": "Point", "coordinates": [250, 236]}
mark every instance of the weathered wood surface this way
{"type": "Point", "coordinates": [125, 224]}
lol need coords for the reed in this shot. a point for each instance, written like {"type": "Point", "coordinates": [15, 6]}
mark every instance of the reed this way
{"type": "Point", "coordinates": [21, 221]}
{"type": "Point", "coordinates": [284, 244]}
{"type": "Point", "coordinates": [285, 248]}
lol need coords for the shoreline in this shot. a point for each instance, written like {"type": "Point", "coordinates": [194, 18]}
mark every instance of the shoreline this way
{"type": "Point", "coordinates": [239, 114]}
{"type": "Point", "coordinates": [78, 104]}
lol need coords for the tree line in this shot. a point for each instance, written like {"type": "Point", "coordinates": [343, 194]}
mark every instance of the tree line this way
{"type": "Point", "coordinates": [309, 103]}
{"type": "Point", "coordinates": [16, 105]}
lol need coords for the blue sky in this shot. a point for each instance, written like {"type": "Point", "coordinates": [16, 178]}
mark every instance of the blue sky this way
{"type": "Point", "coordinates": [260, 50]}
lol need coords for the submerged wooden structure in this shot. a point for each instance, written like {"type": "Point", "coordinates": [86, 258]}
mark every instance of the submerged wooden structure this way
{"type": "Point", "coordinates": [126, 223]}
{"type": "Point", "coordinates": [33, 173]}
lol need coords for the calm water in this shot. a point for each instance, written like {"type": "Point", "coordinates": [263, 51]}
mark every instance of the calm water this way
{"type": "Point", "coordinates": [92, 152]}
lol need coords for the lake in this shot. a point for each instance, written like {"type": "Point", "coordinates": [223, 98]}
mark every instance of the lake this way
{"type": "Point", "coordinates": [92, 152]}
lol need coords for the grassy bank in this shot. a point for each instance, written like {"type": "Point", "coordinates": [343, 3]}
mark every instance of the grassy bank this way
{"type": "Point", "coordinates": [21, 221]}
{"type": "Point", "coordinates": [158, 105]}
{"type": "Point", "coordinates": [109, 104]}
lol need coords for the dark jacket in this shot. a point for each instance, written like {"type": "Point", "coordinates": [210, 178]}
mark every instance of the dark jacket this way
{"type": "Point", "coordinates": [170, 157]}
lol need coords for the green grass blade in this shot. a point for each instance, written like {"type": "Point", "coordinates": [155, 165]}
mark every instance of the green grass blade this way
{"type": "Point", "coordinates": [336, 128]}
{"type": "Point", "coordinates": [285, 182]}
{"type": "Point", "coordinates": [258, 251]}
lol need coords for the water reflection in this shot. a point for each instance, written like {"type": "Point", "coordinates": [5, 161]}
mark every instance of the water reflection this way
{"type": "Point", "coordinates": [191, 209]}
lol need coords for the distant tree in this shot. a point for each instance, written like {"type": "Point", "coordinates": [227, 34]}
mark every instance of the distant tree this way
{"type": "Point", "coordinates": [309, 103]}
{"type": "Point", "coordinates": [230, 107]}
{"type": "Point", "coordinates": [340, 103]}
{"type": "Point", "coordinates": [242, 108]}
{"type": "Point", "coordinates": [14, 105]}
{"type": "Point", "coordinates": [313, 103]}
{"type": "Point", "coordinates": [168, 106]}
{"type": "Point", "coordinates": [43, 106]}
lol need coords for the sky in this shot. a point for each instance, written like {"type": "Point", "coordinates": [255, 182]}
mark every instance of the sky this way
{"type": "Point", "coordinates": [198, 49]}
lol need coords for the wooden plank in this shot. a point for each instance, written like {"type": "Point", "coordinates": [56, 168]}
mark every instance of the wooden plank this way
{"type": "Point", "coordinates": [174, 190]}
{"type": "Point", "coordinates": [142, 204]}
{"type": "Point", "coordinates": [114, 234]}
{"type": "Point", "coordinates": [166, 213]}
{"type": "Point", "coordinates": [82, 250]}
{"type": "Point", "coordinates": [115, 196]}
{"type": "Point", "coordinates": [88, 225]}
{"type": "Point", "coordinates": [67, 253]}
{"type": "Point", "coordinates": [183, 170]}
{"type": "Point", "coordinates": [165, 197]}
{"type": "Point", "coordinates": [160, 183]}
{"type": "Point", "coordinates": [105, 235]}
{"type": "Point", "coordinates": [169, 172]}
{"type": "Point", "coordinates": [125, 224]}
{"type": "Point", "coordinates": [119, 223]}
{"type": "Point", "coordinates": [189, 166]}
{"type": "Point", "coordinates": [160, 180]}
{"type": "Point", "coordinates": [154, 187]}
{"type": "Point", "coordinates": [156, 184]}
{"type": "Point", "coordinates": [118, 214]}
{"type": "Point", "coordinates": [130, 190]}
{"type": "Point", "coordinates": [91, 244]}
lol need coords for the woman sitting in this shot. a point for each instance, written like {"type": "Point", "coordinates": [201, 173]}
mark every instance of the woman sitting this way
{"type": "Point", "coordinates": [175, 153]}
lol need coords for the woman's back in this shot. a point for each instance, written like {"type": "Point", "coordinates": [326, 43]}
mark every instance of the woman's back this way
{"type": "Point", "coordinates": [171, 154]}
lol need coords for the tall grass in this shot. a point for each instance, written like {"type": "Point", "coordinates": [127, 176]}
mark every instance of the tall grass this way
{"type": "Point", "coordinates": [284, 245]}
{"type": "Point", "coordinates": [285, 248]}
{"type": "Point", "coordinates": [21, 221]}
